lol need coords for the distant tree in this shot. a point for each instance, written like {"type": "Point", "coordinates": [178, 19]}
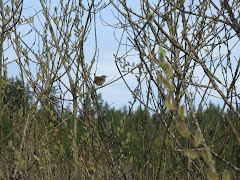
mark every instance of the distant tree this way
{"type": "Point", "coordinates": [16, 100]}
{"type": "Point", "coordinates": [16, 94]}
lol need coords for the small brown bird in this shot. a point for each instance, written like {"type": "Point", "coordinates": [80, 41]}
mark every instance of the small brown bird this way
{"type": "Point", "coordinates": [99, 80]}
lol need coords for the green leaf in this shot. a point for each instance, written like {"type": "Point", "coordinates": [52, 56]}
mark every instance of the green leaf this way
{"type": "Point", "coordinates": [168, 70]}
{"type": "Point", "coordinates": [169, 103]}
{"type": "Point", "coordinates": [182, 112]}
{"type": "Point", "coordinates": [207, 156]}
{"type": "Point", "coordinates": [226, 175]}
{"type": "Point", "coordinates": [190, 154]}
{"type": "Point", "coordinates": [198, 137]}
{"type": "Point", "coordinates": [182, 129]}
{"type": "Point", "coordinates": [211, 174]}
{"type": "Point", "coordinates": [162, 53]}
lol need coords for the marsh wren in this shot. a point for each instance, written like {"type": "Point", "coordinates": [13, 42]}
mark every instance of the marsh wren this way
{"type": "Point", "coordinates": [99, 80]}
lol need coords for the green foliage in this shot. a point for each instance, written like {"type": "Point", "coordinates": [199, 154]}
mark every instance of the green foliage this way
{"type": "Point", "coordinates": [16, 102]}
{"type": "Point", "coordinates": [15, 94]}
{"type": "Point", "coordinates": [130, 133]}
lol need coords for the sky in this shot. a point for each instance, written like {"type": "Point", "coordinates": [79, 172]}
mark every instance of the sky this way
{"type": "Point", "coordinates": [116, 94]}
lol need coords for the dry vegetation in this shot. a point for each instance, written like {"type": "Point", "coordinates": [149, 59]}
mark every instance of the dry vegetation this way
{"type": "Point", "coordinates": [181, 53]}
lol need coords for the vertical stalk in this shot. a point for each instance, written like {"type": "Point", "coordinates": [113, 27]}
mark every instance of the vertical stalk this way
{"type": "Point", "coordinates": [1, 78]}
{"type": "Point", "coordinates": [75, 134]}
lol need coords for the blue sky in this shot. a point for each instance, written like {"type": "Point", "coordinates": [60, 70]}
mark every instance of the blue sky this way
{"type": "Point", "coordinates": [117, 93]}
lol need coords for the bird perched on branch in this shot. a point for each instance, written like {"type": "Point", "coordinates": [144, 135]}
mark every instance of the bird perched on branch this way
{"type": "Point", "coordinates": [99, 80]}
